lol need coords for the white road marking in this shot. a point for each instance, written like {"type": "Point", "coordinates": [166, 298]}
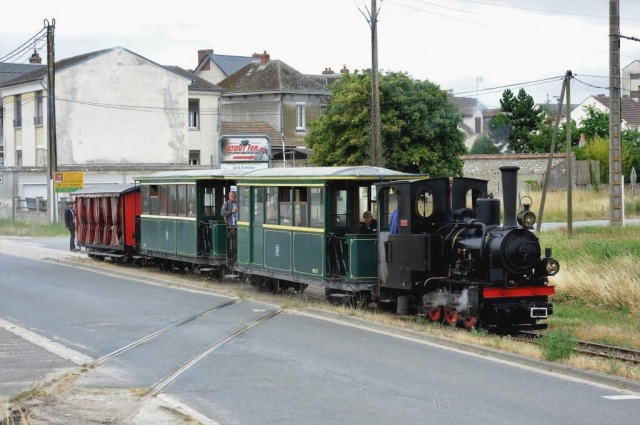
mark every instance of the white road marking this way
{"type": "Point", "coordinates": [621, 397]}
{"type": "Point", "coordinates": [43, 342]}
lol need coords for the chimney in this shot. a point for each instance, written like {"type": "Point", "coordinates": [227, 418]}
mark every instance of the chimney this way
{"type": "Point", "coordinates": [344, 70]}
{"type": "Point", "coordinates": [327, 71]}
{"type": "Point", "coordinates": [510, 194]}
{"type": "Point", "coordinates": [35, 58]}
{"type": "Point", "coordinates": [264, 57]}
{"type": "Point", "coordinates": [600, 95]}
{"type": "Point", "coordinates": [203, 53]}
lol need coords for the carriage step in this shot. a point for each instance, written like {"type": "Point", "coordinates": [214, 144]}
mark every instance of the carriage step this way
{"type": "Point", "coordinates": [340, 295]}
{"type": "Point", "coordinates": [206, 270]}
{"type": "Point", "coordinates": [232, 276]}
{"type": "Point", "coordinates": [385, 301]}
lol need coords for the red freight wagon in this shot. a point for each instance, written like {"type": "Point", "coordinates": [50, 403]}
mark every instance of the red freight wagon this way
{"type": "Point", "coordinates": [106, 219]}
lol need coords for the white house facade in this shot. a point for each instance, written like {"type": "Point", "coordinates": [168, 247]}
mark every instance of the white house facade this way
{"type": "Point", "coordinates": [118, 114]}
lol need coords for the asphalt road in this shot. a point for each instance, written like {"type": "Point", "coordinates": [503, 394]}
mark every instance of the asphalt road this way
{"type": "Point", "coordinates": [290, 369]}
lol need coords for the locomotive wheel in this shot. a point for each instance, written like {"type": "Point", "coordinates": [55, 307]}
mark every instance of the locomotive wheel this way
{"type": "Point", "coordinates": [468, 322]}
{"type": "Point", "coordinates": [435, 313]}
{"type": "Point", "coordinates": [450, 316]}
{"type": "Point", "coordinates": [274, 286]}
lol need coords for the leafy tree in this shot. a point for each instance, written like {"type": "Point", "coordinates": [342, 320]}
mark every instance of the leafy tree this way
{"type": "Point", "coordinates": [484, 145]}
{"type": "Point", "coordinates": [518, 120]}
{"type": "Point", "coordinates": [597, 148]}
{"type": "Point", "coordinates": [596, 123]}
{"type": "Point", "coordinates": [541, 138]}
{"type": "Point", "coordinates": [419, 125]}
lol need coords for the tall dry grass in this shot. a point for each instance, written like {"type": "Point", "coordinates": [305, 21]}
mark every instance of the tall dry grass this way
{"type": "Point", "coordinates": [587, 204]}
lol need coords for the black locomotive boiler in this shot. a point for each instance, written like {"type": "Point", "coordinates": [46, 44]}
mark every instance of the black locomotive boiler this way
{"type": "Point", "coordinates": [444, 253]}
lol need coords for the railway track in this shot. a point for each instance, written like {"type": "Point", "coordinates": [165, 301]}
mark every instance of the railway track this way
{"type": "Point", "coordinates": [592, 349]}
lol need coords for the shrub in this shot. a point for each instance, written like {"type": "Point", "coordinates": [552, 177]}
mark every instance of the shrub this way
{"type": "Point", "coordinates": [556, 345]}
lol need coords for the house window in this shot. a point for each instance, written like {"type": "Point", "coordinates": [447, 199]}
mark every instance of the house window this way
{"type": "Point", "coordinates": [194, 157]}
{"type": "Point", "coordinates": [194, 113]}
{"type": "Point", "coordinates": [478, 128]}
{"type": "Point", "coordinates": [38, 117]}
{"type": "Point", "coordinates": [300, 116]}
{"type": "Point", "coordinates": [17, 107]}
{"type": "Point", "coordinates": [19, 158]}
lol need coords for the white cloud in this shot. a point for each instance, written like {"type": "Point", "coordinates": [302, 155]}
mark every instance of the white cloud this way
{"type": "Point", "coordinates": [503, 45]}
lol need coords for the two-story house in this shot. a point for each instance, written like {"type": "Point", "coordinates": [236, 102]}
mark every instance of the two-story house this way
{"type": "Point", "coordinates": [270, 97]}
{"type": "Point", "coordinates": [118, 114]}
{"type": "Point", "coordinates": [629, 110]}
{"type": "Point", "coordinates": [9, 71]}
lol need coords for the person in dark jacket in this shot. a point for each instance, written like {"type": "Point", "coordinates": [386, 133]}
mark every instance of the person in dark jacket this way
{"type": "Point", "coordinates": [70, 223]}
{"type": "Point", "coordinates": [370, 225]}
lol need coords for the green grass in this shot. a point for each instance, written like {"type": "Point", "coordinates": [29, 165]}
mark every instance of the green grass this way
{"type": "Point", "coordinates": [556, 345]}
{"type": "Point", "coordinates": [19, 228]}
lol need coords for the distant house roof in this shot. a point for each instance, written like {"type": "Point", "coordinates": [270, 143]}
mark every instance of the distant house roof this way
{"type": "Point", "coordinates": [251, 127]}
{"type": "Point", "coordinates": [630, 109]}
{"type": "Point", "coordinates": [197, 83]}
{"type": "Point", "coordinates": [69, 62]}
{"type": "Point", "coordinates": [274, 75]}
{"type": "Point", "coordinates": [9, 71]}
{"type": "Point", "coordinates": [490, 112]}
{"type": "Point", "coordinates": [467, 105]}
{"type": "Point", "coordinates": [228, 63]}
{"type": "Point", "coordinates": [325, 79]}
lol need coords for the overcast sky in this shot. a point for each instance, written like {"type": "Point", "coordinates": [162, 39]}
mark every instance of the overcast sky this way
{"type": "Point", "coordinates": [449, 42]}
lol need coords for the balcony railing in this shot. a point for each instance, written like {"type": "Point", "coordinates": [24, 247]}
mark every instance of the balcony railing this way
{"type": "Point", "coordinates": [38, 120]}
{"type": "Point", "coordinates": [17, 123]}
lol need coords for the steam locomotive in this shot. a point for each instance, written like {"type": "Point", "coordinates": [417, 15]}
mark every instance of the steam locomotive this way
{"type": "Point", "coordinates": [450, 258]}
{"type": "Point", "coordinates": [453, 261]}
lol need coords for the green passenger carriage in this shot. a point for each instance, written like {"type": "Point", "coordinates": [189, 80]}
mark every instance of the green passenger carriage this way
{"type": "Point", "coordinates": [297, 226]}
{"type": "Point", "coordinates": [180, 222]}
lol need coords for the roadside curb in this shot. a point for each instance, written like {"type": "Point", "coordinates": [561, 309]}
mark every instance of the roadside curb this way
{"type": "Point", "coordinates": [542, 365]}
{"type": "Point", "coordinates": [133, 276]}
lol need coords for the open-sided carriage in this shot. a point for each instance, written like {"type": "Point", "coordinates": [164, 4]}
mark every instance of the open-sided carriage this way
{"type": "Point", "coordinates": [105, 219]}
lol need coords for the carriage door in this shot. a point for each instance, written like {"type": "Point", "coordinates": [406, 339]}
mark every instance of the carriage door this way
{"type": "Point", "coordinates": [387, 202]}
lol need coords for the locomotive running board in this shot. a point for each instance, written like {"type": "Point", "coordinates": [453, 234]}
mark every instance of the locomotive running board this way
{"type": "Point", "coordinates": [524, 291]}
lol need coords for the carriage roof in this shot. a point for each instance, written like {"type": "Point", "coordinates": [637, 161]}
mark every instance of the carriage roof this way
{"type": "Point", "coordinates": [105, 190]}
{"type": "Point", "coordinates": [326, 173]}
{"type": "Point", "coordinates": [186, 175]}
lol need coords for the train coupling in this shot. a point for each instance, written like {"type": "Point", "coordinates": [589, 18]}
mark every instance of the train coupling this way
{"type": "Point", "coordinates": [538, 312]}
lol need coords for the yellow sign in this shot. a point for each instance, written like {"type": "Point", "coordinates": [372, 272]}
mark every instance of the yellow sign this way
{"type": "Point", "coordinates": [69, 181]}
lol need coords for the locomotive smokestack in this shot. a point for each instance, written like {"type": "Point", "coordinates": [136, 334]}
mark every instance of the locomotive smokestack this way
{"type": "Point", "coordinates": [510, 193]}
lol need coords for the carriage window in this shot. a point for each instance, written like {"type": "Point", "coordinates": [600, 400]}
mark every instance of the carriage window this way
{"type": "Point", "coordinates": [243, 201]}
{"type": "Point", "coordinates": [258, 205]}
{"type": "Point", "coordinates": [363, 202]}
{"type": "Point", "coordinates": [208, 201]}
{"type": "Point", "coordinates": [424, 203]}
{"type": "Point", "coordinates": [272, 205]}
{"type": "Point", "coordinates": [153, 199]}
{"type": "Point", "coordinates": [339, 208]}
{"type": "Point", "coordinates": [145, 199]}
{"type": "Point", "coordinates": [164, 199]}
{"type": "Point", "coordinates": [285, 206]}
{"type": "Point", "coordinates": [374, 201]}
{"type": "Point", "coordinates": [316, 206]}
{"type": "Point", "coordinates": [191, 200]}
{"type": "Point", "coordinates": [173, 200]}
{"type": "Point", "coordinates": [300, 206]}
{"type": "Point", "coordinates": [182, 200]}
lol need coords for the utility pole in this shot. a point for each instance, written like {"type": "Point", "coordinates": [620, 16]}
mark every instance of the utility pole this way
{"type": "Point", "coordinates": [554, 137]}
{"type": "Point", "coordinates": [569, 168]}
{"type": "Point", "coordinates": [615, 143]}
{"type": "Point", "coordinates": [377, 158]}
{"type": "Point", "coordinates": [52, 163]}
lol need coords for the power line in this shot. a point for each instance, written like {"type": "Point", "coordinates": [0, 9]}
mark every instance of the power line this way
{"type": "Point", "coordinates": [542, 81]}
{"type": "Point", "coordinates": [10, 54]}
{"type": "Point", "coordinates": [532, 9]}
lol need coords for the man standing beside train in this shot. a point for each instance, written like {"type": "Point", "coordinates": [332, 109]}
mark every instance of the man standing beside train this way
{"type": "Point", "coordinates": [229, 212]}
{"type": "Point", "coordinates": [70, 223]}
